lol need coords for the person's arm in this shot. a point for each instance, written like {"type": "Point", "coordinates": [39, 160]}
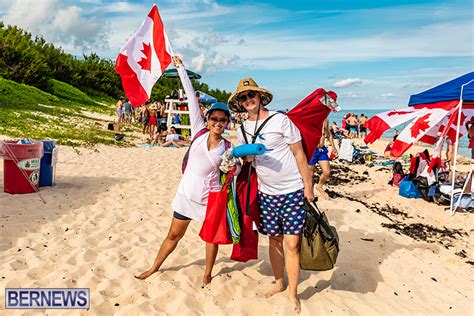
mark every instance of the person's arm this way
{"type": "Point", "coordinates": [297, 149]}
{"type": "Point", "coordinates": [195, 118]}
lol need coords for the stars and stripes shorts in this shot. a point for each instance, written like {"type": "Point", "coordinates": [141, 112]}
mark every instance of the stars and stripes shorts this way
{"type": "Point", "coordinates": [281, 214]}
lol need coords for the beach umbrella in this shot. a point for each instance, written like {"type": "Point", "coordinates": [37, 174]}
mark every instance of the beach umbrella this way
{"type": "Point", "coordinates": [439, 112]}
{"type": "Point", "coordinates": [206, 98]}
{"type": "Point", "coordinates": [173, 73]}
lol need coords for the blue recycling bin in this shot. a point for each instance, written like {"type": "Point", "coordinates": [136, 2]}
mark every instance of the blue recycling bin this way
{"type": "Point", "coordinates": [48, 163]}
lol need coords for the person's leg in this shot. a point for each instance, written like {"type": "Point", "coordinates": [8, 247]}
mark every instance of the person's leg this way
{"type": "Point", "coordinates": [292, 263]}
{"type": "Point", "coordinates": [211, 254]}
{"type": "Point", "coordinates": [166, 144]}
{"type": "Point", "coordinates": [176, 232]}
{"type": "Point", "coordinates": [155, 139]}
{"type": "Point", "coordinates": [323, 178]}
{"type": "Point", "coordinates": [277, 262]}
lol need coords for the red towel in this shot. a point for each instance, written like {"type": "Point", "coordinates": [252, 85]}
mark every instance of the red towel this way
{"type": "Point", "coordinates": [309, 116]}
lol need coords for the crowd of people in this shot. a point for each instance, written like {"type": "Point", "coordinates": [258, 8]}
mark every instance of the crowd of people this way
{"type": "Point", "coordinates": [153, 117]}
{"type": "Point", "coordinates": [352, 126]}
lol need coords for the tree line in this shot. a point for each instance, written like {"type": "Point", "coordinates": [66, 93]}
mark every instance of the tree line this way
{"type": "Point", "coordinates": [33, 61]}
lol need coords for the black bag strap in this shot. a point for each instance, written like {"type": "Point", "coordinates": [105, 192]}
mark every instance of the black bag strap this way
{"type": "Point", "coordinates": [320, 216]}
{"type": "Point", "coordinates": [254, 138]}
{"type": "Point", "coordinates": [259, 129]}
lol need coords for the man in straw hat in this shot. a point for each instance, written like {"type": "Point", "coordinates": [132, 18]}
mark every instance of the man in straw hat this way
{"type": "Point", "coordinates": [283, 180]}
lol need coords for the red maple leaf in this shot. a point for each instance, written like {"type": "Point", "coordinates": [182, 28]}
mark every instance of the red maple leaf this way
{"type": "Point", "coordinates": [463, 118]}
{"type": "Point", "coordinates": [398, 113]}
{"type": "Point", "coordinates": [145, 62]}
{"type": "Point", "coordinates": [421, 124]}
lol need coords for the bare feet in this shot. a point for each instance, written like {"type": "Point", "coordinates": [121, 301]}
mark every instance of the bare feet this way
{"type": "Point", "coordinates": [145, 274]}
{"type": "Point", "coordinates": [277, 289]}
{"type": "Point", "coordinates": [323, 193]}
{"type": "Point", "coordinates": [206, 279]}
{"type": "Point", "coordinates": [295, 301]}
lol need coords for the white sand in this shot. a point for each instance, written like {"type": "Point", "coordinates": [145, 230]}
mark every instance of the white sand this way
{"type": "Point", "coordinates": [110, 210]}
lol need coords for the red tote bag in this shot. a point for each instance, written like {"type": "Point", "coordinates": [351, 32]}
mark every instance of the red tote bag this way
{"type": "Point", "coordinates": [214, 229]}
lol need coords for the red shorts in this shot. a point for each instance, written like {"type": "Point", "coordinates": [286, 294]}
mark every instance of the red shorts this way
{"type": "Point", "coordinates": [152, 121]}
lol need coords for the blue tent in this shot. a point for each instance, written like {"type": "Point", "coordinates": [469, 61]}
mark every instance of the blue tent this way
{"type": "Point", "coordinates": [206, 98]}
{"type": "Point", "coordinates": [448, 91]}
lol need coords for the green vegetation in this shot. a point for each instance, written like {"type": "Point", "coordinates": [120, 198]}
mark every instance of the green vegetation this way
{"type": "Point", "coordinates": [48, 94]}
{"type": "Point", "coordinates": [65, 91]}
{"type": "Point", "coordinates": [26, 111]}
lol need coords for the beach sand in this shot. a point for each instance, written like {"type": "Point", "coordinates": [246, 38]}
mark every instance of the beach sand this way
{"type": "Point", "coordinates": [110, 210]}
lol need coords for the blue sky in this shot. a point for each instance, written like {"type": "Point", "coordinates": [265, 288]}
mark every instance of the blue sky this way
{"type": "Point", "coordinates": [373, 54]}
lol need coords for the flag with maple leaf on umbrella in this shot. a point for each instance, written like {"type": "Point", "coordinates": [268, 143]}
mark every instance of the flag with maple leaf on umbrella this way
{"type": "Point", "coordinates": [143, 59]}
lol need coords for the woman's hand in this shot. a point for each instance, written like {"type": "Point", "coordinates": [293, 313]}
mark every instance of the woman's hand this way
{"type": "Point", "coordinates": [177, 61]}
{"type": "Point", "coordinates": [248, 158]}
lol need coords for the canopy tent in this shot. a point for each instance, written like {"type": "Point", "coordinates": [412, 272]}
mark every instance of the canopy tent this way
{"type": "Point", "coordinates": [206, 98]}
{"type": "Point", "coordinates": [431, 112]}
{"type": "Point", "coordinates": [462, 89]}
{"type": "Point", "coordinates": [447, 91]}
{"type": "Point", "coordinates": [173, 73]}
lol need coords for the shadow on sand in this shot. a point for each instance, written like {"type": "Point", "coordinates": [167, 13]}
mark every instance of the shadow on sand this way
{"type": "Point", "coordinates": [25, 213]}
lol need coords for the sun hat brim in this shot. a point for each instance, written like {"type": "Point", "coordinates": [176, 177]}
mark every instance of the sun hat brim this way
{"type": "Point", "coordinates": [265, 97]}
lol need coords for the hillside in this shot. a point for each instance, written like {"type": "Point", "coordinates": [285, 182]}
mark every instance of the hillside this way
{"type": "Point", "coordinates": [66, 114]}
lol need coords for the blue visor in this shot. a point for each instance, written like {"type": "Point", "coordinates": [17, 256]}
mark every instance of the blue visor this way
{"type": "Point", "coordinates": [219, 106]}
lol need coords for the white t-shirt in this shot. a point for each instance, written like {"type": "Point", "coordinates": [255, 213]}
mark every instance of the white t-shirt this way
{"type": "Point", "coordinates": [202, 171]}
{"type": "Point", "coordinates": [277, 169]}
{"type": "Point", "coordinates": [172, 138]}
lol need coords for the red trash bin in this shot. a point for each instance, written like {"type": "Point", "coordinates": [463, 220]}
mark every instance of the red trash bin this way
{"type": "Point", "coordinates": [21, 166]}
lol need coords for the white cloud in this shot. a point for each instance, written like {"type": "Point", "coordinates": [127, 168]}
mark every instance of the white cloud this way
{"type": "Point", "coordinates": [20, 12]}
{"type": "Point", "coordinates": [351, 95]}
{"type": "Point", "coordinates": [121, 7]}
{"type": "Point", "coordinates": [348, 82]}
{"type": "Point", "coordinates": [198, 62]}
{"type": "Point", "coordinates": [63, 25]}
{"type": "Point", "coordinates": [387, 95]}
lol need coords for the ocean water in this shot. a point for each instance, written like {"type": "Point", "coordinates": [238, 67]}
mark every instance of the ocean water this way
{"type": "Point", "coordinates": [337, 117]}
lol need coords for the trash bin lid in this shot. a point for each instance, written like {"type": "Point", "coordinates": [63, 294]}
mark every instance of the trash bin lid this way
{"type": "Point", "coordinates": [48, 146]}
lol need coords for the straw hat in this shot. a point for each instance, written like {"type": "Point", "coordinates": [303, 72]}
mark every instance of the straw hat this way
{"type": "Point", "coordinates": [248, 84]}
{"type": "Point", "coordinates": [153, 107]}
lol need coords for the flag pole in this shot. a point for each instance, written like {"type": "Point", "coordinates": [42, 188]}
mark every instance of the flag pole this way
{"type": "Point", "coordinates": [169, 43]}
{"type": "Point", "coordinates": [451, 209]}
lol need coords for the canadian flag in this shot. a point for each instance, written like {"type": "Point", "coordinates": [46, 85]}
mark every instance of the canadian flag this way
{"type": "Point", "coordinates": [143, 59]}
{"type": "Point", "coordinates": [382, 122]}
{"type": "Point", "coordinates": [425, 120]}
{"type": "Point", "coordinates": [467, 114]}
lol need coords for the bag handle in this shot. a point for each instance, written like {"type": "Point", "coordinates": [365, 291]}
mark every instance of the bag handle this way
{"type": "Point", "coordinates": [320, 217]}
